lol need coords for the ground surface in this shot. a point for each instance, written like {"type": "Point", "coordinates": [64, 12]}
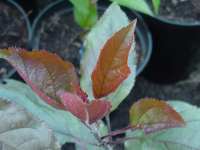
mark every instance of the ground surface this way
{"type": "Point", "coordinates": [181, 10]}
{"type": "Point", "coordinates": [13, 32]}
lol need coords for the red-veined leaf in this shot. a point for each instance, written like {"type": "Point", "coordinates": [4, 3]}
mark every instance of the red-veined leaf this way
{"type": "Point", "coordinates": [112, 66]}
{"type": "Point", "coordinates": [153, 115]}
{"type": "Point", "coordinates": [45, 72]}
{"type": "Point", "coordinates": [86, 112]}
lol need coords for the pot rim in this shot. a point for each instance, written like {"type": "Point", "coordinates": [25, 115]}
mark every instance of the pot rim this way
{"type": "Point", "coordinates": [172, 22]}
{"type": "Point", "coordinates": [28, 27]}
{"type": "Point", "coordinates": [141, 37]}
{"type": "Point", "coordinates": [25, 16]}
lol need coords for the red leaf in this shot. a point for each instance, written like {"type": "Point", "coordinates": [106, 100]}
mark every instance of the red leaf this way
{"type": "Point", "coordinates": [82, 94]}
{"type": "Point", "coordinates": [45, 72]}
{"type": "Point", "coordinates": [153, 115]}
{"type": "Point", "coordinates": [97, 109]}
{"type": "Point", "coordinates": [74, 104]}
{"type": "Point", "coordinates": [112, 65]}
{"type": "Point", "coordinates": [86, 112]}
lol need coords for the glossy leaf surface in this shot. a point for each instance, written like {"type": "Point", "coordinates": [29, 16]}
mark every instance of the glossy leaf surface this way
{"type": "Point", "coordinates": [112, 65]}
{"type": "Point", "coordinates": [86, 112]}
{"type": "Point", "coordinates": [111, 21]}
{"type": "Point", "coordinates": [153, 115]}
{"type": "Point", "coordinates": [45, 72]}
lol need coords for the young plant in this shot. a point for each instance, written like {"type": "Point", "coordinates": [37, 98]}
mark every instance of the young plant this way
{"type": "Point", "coordinates": [85, 12]}
{"type": "Point", "coordinates": [141, 5]}
{"type": "Point", "coordinates": [74, 111]}
{"type": "Point", "coordinates": [156, 6]}
{"type": "Point", "coordinates": [55, 81]}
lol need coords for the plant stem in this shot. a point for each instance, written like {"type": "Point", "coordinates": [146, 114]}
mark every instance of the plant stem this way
{"type": "Point", "coordinates": [93, 129]}
{"type": "Point", "coordinates": [120, 131]}
{"type": "Point", "coordinates": [108, 122]}
{"type": "Point", "coordinates": [109, 126]}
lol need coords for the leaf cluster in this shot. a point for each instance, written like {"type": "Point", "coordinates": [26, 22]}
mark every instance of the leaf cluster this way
{"type": "Point", "coordinates": [74, 108]}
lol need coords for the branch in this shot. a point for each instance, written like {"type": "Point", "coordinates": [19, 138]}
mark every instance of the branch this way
{"type": "Point", "coordinates": [120, 131]}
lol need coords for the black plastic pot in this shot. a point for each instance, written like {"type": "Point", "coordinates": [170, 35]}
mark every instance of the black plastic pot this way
{"type": "Point", "coordinates": [27, 26]}
{"type": "Point", "coordinates": [142, 32]}
{"type": "Point", "coordinates": [172, 44]}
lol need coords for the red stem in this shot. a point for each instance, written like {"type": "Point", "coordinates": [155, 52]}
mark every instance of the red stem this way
{"type": "Point", "coordinates": [120, 131]}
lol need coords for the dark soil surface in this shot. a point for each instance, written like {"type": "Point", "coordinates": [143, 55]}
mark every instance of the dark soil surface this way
{"type": "Point", "coordinates": [61, 35]}
{"type": "Point", "coordinates": [183, 11]}
{"type": "Point", "coordinates": [41, 4]}
{"type": "Point", "coordinates": [13, 32]}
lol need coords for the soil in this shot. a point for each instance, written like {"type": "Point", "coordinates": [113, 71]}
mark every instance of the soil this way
{"type": "Point", "coordinates": [61, 35]}
{"type": "Point", "coordinates": [42, 4]}
{"type": "Point", "coordinates": [182, 11]}
{"type": "Point", "coordinates": [68, 146]}
{"type": "Point", "coordinates": [13, 32]}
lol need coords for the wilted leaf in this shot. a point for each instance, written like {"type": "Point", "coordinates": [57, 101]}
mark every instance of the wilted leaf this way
{"type": "Point", "coordinates": [112, 66]}
{"type": "Point", "coordinates": [112, 21]}
{"type": "Point", "coordinates": [61, 122]}
{"type": "Point", "coordinates": [86, 112]}
{"type": "Point", "coordinates": [85, 12]}
{"type": "Point", "coordinates": [19, 130]}
{"type": "Point", "coordinates": [184, 138]}
{"type": "Point", "coordinates": [45, 72]}
{"type": "Point", "coordinates": [153, 115]}
{"type": "Point", "coordinates": [139, 5]}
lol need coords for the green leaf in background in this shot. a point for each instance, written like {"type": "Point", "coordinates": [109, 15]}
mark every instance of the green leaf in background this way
{"type": "Point", "coordinates": [61, 122]}
{"type": "Point", "coordinates": [19, 130]}
{"type": "Point", "coordinates": [185, 138]}
{"type": "Point", "coordinates": [139, 5]}
{"type": "Point", "coordinates": [156, 6]}
{"type": "Point", "coordinates": [85, 12]}
{"type": "Point", "coordinates": [111, 21]}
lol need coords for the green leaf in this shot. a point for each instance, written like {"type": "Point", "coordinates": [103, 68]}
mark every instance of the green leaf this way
{"type": "Point", "coordinates": [4, 54]}
{"type": "Point", "coordinates": [19, 130]}
{"type": "Point", "coordinates": [156, 6]}
{"type": "Point", "coordinates": [185, 138]}
{"type": "Point", "coordinates": [112, 20]}
{"type": "Point", "coordinates": [139, 5]}
{"type": "Point", "coordinates": [85, 12]}
{"type": "Point", "coordinates": [61, 122]}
